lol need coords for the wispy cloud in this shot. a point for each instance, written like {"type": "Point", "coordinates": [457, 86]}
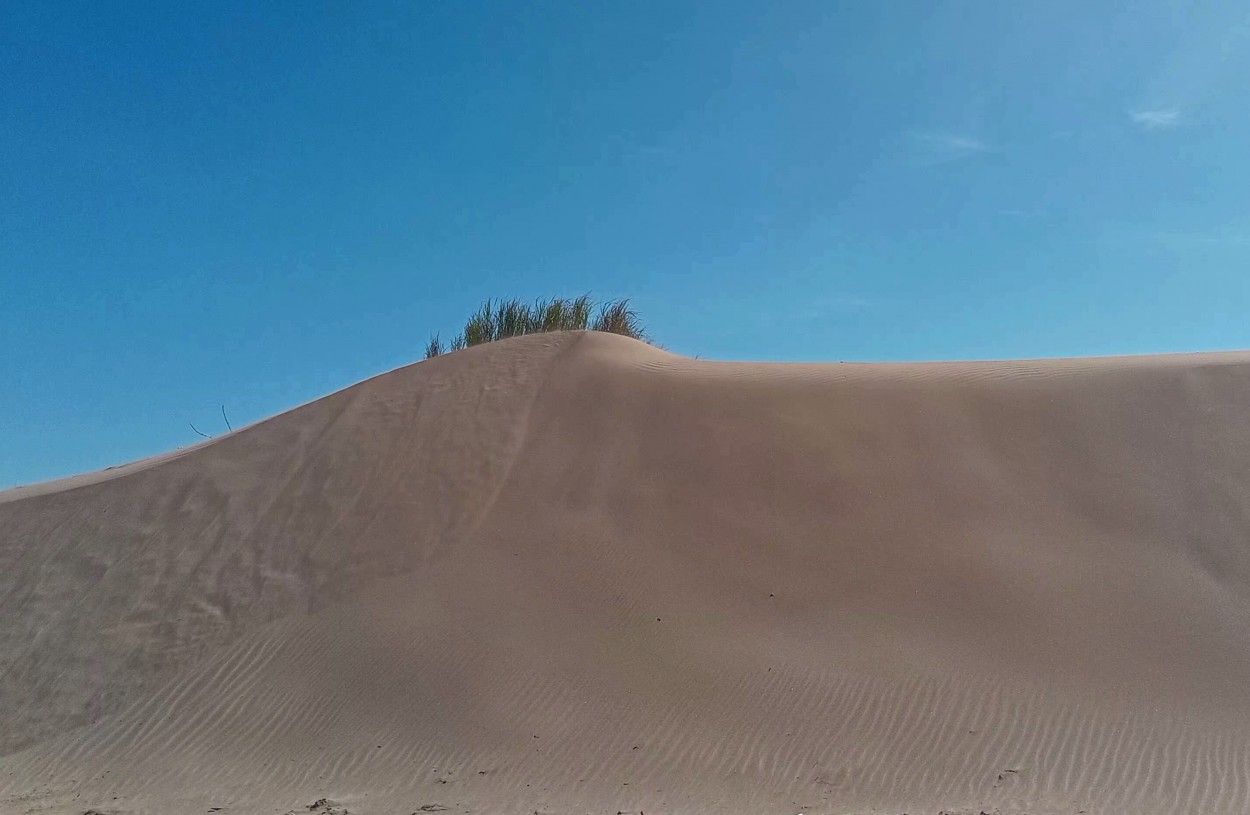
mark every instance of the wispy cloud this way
{"type": "Point", "coordinates": [1201, 68]}
{"type": "Point", "coordinates": [939, 148]}
{"type": "Point", "coordinates": [1156, 119]}
{"type": "Point", "coordinates": [1230, 237]}
{"type": "Point", "coordinates": [960, 144]}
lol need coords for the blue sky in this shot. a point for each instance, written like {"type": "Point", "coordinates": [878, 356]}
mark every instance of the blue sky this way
{"type": "Point", "coordinates": [257, 204]}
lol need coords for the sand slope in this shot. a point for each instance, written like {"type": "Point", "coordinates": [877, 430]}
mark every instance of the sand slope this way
{"type": "Point", "coordinates": [572, 573]}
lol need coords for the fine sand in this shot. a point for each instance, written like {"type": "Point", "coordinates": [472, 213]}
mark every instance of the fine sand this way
{"type": "Point", "coordinates": [571, 573]}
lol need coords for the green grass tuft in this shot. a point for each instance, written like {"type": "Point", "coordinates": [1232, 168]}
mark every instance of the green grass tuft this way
{"type": "Point", "coordinates": [618, 318]}
{"type": "Point", "coordinates": [497, 320]}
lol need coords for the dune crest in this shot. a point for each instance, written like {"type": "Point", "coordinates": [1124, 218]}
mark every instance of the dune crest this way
{"type": "Point", "coordinates": [571, 572]}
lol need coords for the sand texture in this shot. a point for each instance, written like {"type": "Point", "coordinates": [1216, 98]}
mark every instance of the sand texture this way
{"type": "Point", "coordinates": [571, 573]}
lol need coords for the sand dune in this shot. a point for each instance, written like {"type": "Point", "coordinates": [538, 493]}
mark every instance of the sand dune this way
{"type": "Point", "coordinates": [573, 573]}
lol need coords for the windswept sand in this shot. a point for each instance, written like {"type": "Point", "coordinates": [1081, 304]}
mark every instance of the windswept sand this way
{"type": "Point", "coordinates": [570, 573]}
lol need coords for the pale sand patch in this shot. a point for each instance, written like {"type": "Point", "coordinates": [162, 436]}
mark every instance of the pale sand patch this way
{"type": "Point", "coordinates": [572, 573]}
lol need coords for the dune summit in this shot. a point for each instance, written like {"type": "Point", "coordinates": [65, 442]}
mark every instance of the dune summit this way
{"type": "Point", "coordinates": [574, 573]}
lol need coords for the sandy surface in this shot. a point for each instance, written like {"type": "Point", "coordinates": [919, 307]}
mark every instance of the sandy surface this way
{"type": "Point", "coordinates": [573, 574]}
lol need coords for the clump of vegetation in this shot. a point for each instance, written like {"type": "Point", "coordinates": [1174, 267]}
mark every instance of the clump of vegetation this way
{"type": "Point", "coordinates": [500, 319]}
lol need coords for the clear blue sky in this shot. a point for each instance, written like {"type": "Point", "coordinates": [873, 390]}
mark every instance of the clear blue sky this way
{"type": "Point", "coordinates": [257, 204]}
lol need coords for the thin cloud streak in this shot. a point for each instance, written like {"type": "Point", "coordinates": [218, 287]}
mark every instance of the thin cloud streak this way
{"type": "Point", "coordinates": [1156, 119]}
{"type": "Point", "coordinates": [939, 148]}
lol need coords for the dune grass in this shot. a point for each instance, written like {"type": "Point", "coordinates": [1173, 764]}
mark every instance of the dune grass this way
{"type": "Point", "coordinates": [500, 319]}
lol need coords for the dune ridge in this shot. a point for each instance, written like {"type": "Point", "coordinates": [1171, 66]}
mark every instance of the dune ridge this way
{"type": "Point", "coordinates": [571, 572]}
